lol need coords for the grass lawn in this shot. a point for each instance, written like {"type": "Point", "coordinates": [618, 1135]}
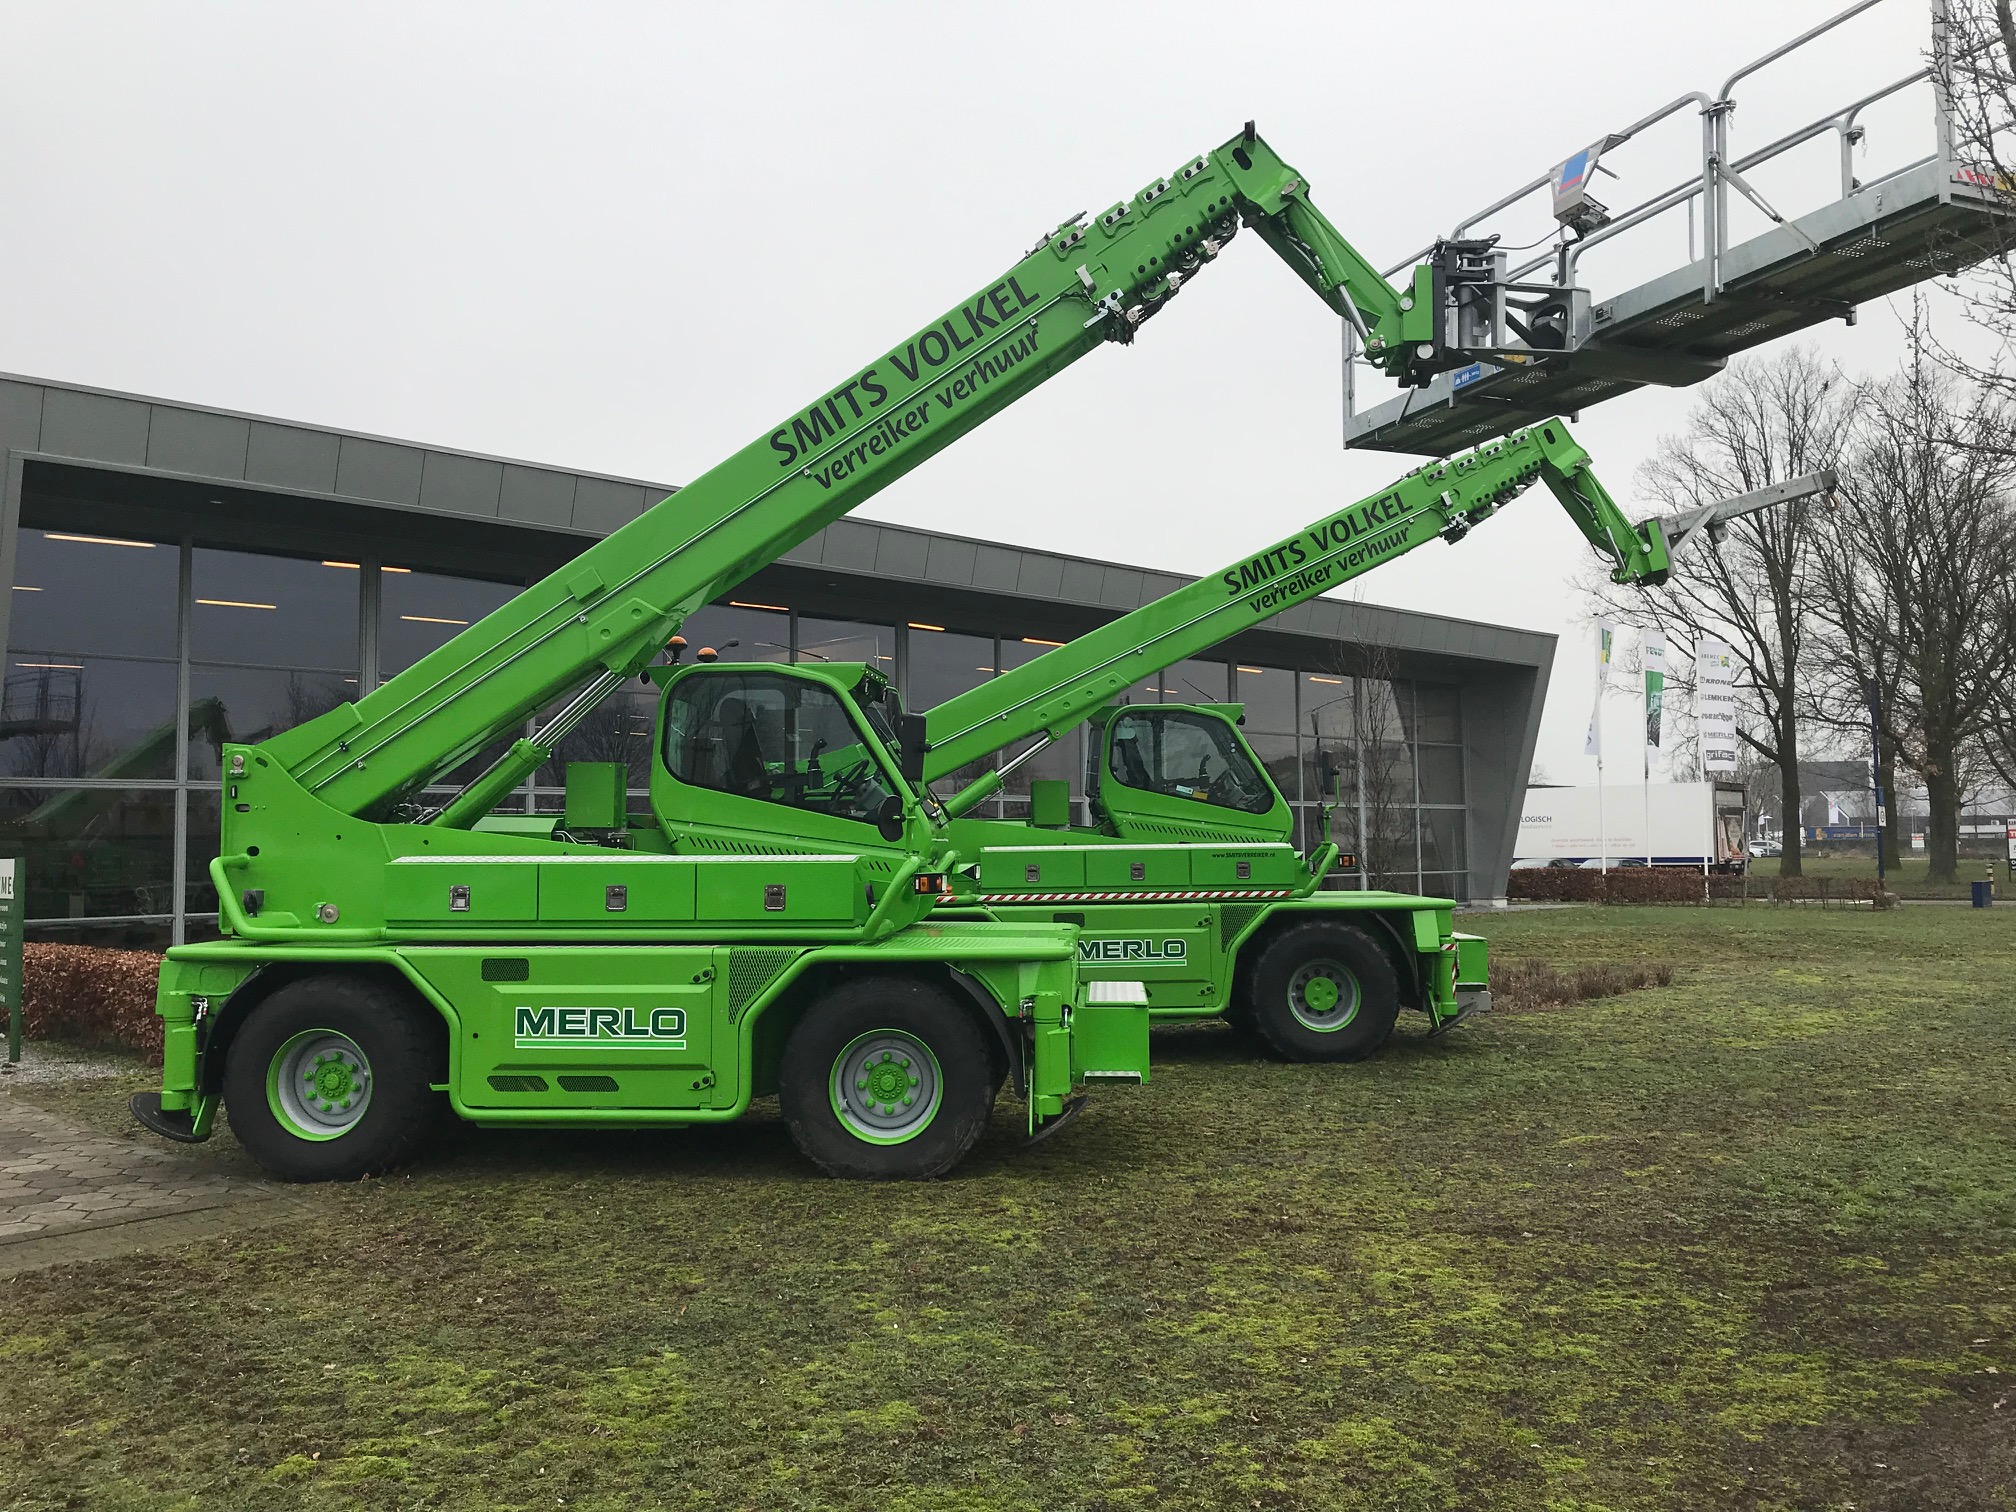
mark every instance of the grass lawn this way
{"type": "Point", "coordinates": [1748, 1241]}
{"type": "Point", "coordinates": [1907, 880]}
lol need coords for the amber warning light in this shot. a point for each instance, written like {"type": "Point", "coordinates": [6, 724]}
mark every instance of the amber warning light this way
{"type": "Point", "coordinates": [929, 882]}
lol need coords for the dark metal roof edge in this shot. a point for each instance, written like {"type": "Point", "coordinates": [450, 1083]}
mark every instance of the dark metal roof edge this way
{"type": "Point", "coordinates": [666, 489]}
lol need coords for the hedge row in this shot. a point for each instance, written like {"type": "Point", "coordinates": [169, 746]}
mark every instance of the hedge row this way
{"type": "Point", "coordinates": [91, 995]}
{"type": "Point", "coordinates": [1643, 885]}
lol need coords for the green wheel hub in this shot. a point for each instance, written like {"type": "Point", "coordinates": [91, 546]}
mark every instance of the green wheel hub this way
{"type": "Point", "coordinates": [886, 1086]}
{"type": "Point", "coordinates": [318, 1084]}
{"type": "Point", "coordinates": [1324, 995]}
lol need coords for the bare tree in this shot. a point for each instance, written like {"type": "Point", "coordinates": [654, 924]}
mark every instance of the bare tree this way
{"type": "Point", "coordinates": [1913, 577]}
{"type": "Point", "coordinates": [1762, 422]}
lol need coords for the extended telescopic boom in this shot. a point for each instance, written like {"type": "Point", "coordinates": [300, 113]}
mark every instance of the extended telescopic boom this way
{"type": "Point", "coordinates": [1445, 499]}
{"type": "Point", "coordinates": [607, 614]}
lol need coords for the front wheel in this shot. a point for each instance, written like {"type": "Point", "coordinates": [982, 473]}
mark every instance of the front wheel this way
{"type": "Point", "coordinates": [329, 1079]}
{"type": "Point", "coordinates": [1321, 992]}
{"type": "Point", "coordinates": [887, 1079]}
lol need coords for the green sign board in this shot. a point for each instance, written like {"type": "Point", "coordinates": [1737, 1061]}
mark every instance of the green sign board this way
{"type": "Point", "coordinates": [13, 901]}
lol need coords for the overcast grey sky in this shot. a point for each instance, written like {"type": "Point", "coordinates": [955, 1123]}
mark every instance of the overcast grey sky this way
{"type": "Point", "coordinates": [629, 237]}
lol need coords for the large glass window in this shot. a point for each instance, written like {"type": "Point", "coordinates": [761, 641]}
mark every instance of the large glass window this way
{"type": "Point", "coordinates": [824, 640]}
{"type": "Point", "coordinates": [272, 644]}
{"type": "Point", "coordinates": [1441, 773]}
{"type": "Point", "coordinates": [92, 853]}
{"type": "Point", "coordinates": [775, 739]}
{"type": "Point", "coordinates": [1196, 682]}
{"type": "Point", "coordinates": [89, 686]}
{"type": "Point", "coordinates": [944, 664]}
{"type": "Point", "coordinates": [1269, 696]}
{"type": "Point", "coordinates": [1185, 756]}
{"type": "Point", "coordinates": [419, 612]}
{"type": "Point", "coordinates": [739, 633]}
{"type": "Point", "coordinates": [1436, 715]}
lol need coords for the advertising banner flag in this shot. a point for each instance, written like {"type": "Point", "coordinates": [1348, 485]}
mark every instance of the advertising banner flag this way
{"type": "Point", "coordinates": [1655, 686]}
{"type": "Point", "coordinates": [1606, 636]}
{"type": "Point", "coordinates": [1715, 704]}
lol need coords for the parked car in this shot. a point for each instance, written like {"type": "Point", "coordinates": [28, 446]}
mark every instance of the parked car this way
{"type": "Point", "coordinates": [1766, 848]}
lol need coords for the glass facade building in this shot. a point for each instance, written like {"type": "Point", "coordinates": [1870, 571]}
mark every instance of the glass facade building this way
{"type": "Point", "coordinates": [183, 577]}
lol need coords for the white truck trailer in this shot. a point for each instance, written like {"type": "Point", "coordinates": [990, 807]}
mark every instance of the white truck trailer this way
{"type": "Point", "coordinates": [1692, 824]}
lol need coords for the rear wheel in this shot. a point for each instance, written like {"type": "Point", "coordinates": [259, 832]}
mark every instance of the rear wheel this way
{"type": "Point", "coordinates": [329, 1079]}
{"type": "Point", "coordinates": [1321, 992]}
{"type": "Point", "coordinates": [887, 1079]}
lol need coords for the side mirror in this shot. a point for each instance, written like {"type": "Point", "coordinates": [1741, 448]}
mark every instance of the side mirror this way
{"type": "Point", "coordinates": [910, 737]}
{"type": "Point", "coordinates": [889, 819]}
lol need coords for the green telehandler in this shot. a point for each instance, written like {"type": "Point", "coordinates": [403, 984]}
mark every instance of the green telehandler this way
{"type": "Point", "coordinates": [1186, 880]}
{"type": "Point", "coordinates": [389, 959]}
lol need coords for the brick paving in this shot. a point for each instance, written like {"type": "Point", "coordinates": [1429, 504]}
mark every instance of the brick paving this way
{"type": "Point", "coordinates": [67, 1193]}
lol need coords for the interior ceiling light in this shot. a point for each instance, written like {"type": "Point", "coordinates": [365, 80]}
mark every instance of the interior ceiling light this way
{"type": "Point", "coordinates": [353, 566]}
{"type": "Point", "coordinates": [1334, 681]}
{"type": "Point", "coordinates": [914, 625]}
{"type": "Point", "coordinates": [54, 666]}
{"type": "Point", "coordinates": [773, 608]}
{"type": "Point", "coordinates": [431, 619]}
{"type": "Point", "coordinates": [24, 588]}
{"type": "Point", "coordinates": [395, 569]}
{"type": "Point", "coordinates": [53, 535]}
{"type": "Point", "coordinates": [1256, 671]}
{"type": "Point", "coordinates": [1030, 640]}
{"type": "Point", "coordinates": [235, 604]}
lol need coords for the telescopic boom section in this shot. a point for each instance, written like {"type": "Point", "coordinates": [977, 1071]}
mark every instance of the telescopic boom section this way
{"type": "Point", "coordinates": [1063, 686]}
{"type": "Point", "coordinates": [609, 612]}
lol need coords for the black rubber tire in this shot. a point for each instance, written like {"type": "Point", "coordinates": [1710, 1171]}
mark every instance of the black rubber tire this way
{"type": "Point", "coordinates": [402, 1038]}
{"type": "Point", "coordinates": [1265, 1009]}
{"type": "Point", "coordinates": [947, 1027]}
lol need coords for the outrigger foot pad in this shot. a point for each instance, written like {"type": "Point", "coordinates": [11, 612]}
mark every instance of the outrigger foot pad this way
{"type": "Point", "coordinates": [1470, 1002]}
{"type": "Point", "coordinates": [175, 1124]}
{"type": "Point", "coordinates": [1070, 1115]}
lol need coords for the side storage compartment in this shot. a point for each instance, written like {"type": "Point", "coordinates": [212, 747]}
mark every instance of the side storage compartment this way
{"type": "Point", "coordinates": [587, 1027]}
{"type": "Point", "coordinates": [1109, 1033]}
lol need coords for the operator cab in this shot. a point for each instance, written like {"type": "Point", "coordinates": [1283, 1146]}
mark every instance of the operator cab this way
{"type": "Point", "coordinates": [740, 741]}
{"type": "Point", "coordinates": [1176, 770]}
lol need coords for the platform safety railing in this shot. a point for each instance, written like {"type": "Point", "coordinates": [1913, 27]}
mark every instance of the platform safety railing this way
{"type": "Point", "coordinates": [1705, 194]}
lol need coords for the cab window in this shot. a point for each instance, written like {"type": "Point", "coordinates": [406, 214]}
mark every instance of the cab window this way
{"type": "Point", "coordinates": [1185, 755]}
{"type": "Point", "coordinates": [780, 740]}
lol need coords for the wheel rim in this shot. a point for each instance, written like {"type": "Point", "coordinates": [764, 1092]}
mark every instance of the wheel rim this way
{"type": "Point", "coordinates": [1324, 996]}
{"type": "Point", "coordinates": [318, 1084]}
{"type": "Point", "coordinates": [886, 1086]}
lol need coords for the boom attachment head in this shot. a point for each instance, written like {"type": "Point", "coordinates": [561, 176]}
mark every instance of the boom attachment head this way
{"type": "Point", "coordinates": [1679, 529]}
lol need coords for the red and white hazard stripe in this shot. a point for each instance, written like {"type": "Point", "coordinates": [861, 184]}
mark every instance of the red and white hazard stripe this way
{"type": "Point", "coordinates": [1199, 896]}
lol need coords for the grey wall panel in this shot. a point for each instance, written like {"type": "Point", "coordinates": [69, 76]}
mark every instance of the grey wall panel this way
{"type": "Point", "coordinates": [601, 505]}
{"type": "Point", "coordinates": [20, 416]}
{"type": "Point", "coordinates": [379, 471]}
{"type": "Point", "coordinates": [198, 442]}
{"type": "Point", "coordinates": [1120, 588]}
{"type": "Point", "coordinates": [461, 485]}
{"type": "Point", "coordinates": [95, 427]}
{"type": "Point", "coordinates": [287, 456]}
{"type": "Point", "coordinates": [996, 569]}
{"type": "Point", "coordinates": [1501, 725]}
{"type": "Point", "coordinates": [1082, 581]}
{"type": "Point", "coordinates": [901, 553]}
{"type": "Point", "coordinates": [850, 546]}
{"type": "Point", "coordinates": [536, 496]}
{"type": "Point", "coordinates": [951, 562]}
{"type": "Point", "coordinates": [807, 553]}
{"type": "Point", "coordinates": [1042, 575]}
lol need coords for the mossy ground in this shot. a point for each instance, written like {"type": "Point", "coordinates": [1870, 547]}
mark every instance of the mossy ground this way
{"type": "Point", "coordinates": [1748, 1241]}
